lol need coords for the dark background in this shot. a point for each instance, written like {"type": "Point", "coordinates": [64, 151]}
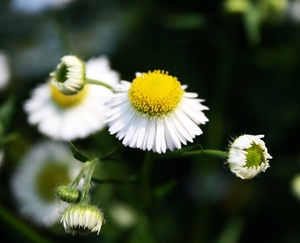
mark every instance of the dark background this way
{"type": "Point", "coordinates": [249, 80]}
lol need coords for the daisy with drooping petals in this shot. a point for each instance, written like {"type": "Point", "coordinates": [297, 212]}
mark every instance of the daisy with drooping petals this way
{"type": "Point", "coordinates": [68, 117]}
{"type": "Point", "coordinates": [82, 219]}
{"type": "Point", "coordinates": [155, 113]}
{"type": "Point", "coordinates": [33, 183]}
{"type": "Point", "coordinates": [248, 156]}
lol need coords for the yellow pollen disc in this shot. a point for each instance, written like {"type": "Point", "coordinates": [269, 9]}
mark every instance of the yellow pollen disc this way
{"type": "Point", "coordinates": [67, 101]}
{"type": "Point", "coordinates": [155, 93]}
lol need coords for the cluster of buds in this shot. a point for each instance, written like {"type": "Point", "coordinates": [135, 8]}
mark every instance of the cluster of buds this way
{"type": "Point", "coordinates": [80, 218]}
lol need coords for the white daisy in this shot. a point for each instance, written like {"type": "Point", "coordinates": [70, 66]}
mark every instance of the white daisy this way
{"type": "Point", "coordinates": [82, 219]}
{"type": "Point", "coordinates": [69, 117]}
{"type": "Point", "coordinates": [33, 183]}
{"type": "Point", "coordinates": [248, 156]}
{"type": "Point", "coordinates": [155, 113]}
{"type": "Point", "coordinates": [4, 70]}
{"type": "Point", "coordinates": [36, 6]}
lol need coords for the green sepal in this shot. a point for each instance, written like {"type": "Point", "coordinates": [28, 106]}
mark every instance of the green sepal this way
{"type": "Point", "coordinates": [78, 155]}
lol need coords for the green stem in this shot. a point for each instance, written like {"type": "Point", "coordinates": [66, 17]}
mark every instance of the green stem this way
{"type": "Point", "coordinates": [94, 81]}
{"type": "Point", "coordinates": [211, 152]}
{"type": "Point", "coordinates": [21, 227]}
{"type": "Point", "coordinates": [145, 180]}
{"type": "Point", "coordinates": [80, 175]}
{"type": "Point", "coordinates": [194, 153]}
{"type": "Point", "coordinates": [87, 181]}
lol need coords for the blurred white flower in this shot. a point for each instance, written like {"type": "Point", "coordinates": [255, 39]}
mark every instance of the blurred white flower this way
{"type": "Point", "coordinates": [293, 10]}
{"type": "Point", "coordinates": [69, 117]}
{"type": "Point", "coordinates": [295, 186]}
{"type": "Point", "coordinates": [33, 183]}
{"type": "Point", "coordinates": [154, 112]}
{"type": "Point", "coordinates": [4, 70]}
{"type": "Point", "coordinates": [248, 156]}
{"type": "Point", "coordinates": [123, 215]}
{"type": "Point", "coordinates": [36, 6]}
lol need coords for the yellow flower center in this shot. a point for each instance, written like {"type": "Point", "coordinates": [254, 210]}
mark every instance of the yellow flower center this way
{"type": "Point", "coordinates": [67, 101]}
{"type": "Point", "coordinates": [155, 93]}
{"type": "Point", "coordinates": [49, 177]}
{"type": "Point", "coordinates": [255, 156]}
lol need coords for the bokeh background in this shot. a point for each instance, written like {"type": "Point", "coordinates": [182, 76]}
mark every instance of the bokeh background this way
{"type": "Point", "coordinates": [241, 56]}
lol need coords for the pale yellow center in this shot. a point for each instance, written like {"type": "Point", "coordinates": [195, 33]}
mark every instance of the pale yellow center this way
{"type": "Point", "coordinates": [67, 101]}
{"type": "Point", "coordinates": [155, 93]}
{"type": "Point", "coordinates": [49, 177]}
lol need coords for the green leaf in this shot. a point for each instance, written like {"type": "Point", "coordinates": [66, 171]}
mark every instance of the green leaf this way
{"type": "Point", "coordinates": [78, 155]}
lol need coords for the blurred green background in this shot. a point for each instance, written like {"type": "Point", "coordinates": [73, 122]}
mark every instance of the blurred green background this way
{"type": "Point", "coordinates": [242, 57]}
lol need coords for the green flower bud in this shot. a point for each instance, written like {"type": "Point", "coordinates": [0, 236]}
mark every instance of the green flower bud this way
{"type": "Point", "coordinates": [68, 194]}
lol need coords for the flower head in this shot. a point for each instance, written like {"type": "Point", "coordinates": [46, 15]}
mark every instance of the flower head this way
{"type": "Point", "coordinates": [248, 156]}
{"type": "Point", "coordinates": [68, 117]}
{"type": "Point", "coordinates": [155, 113]}
{"type": "Point", "coordinates": [33, 183]}
{"type": "Point", "coordinates": [82, 219]}
{"type": "Point", "coordinates": [69, 77]}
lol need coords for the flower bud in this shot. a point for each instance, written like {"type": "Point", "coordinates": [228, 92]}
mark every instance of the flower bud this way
{"type": "Point", "coordinates": [68, 194]}
{"type": "Point", "coordinates": [82, 219]}
{"type": "Point", "coordinates": [248, 156]}
{"type": "Point", "coordinates": [69, 77]}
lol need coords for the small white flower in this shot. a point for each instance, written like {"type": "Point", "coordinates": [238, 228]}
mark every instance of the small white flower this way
{"type": "Point", "coordinates": [82, 219]}
{"type": "Point", "coordinates": [248, 156]}
{"type": "Point", "coordinates": [69, 77]}
{"type": "Point", "coordinates": [4, 70]}
{"type": "Point", "coordinates": [122, 215]}
{"type": "Point", "coordinates": [69, 117]}
{"type": "Point", "coordinates": [155, 113]}
{"type": "Point", "coordinates": [36, 6]}
{"type": "Point", "coordinates": [33, 183]}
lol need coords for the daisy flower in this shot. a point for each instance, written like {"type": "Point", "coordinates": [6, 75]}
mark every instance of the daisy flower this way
{"type": "Point", "coordinates": [154, 112]}
{"type": "Point", "coordinates": [33, 183]}
{"type": "Point", "coordinates": [68, 117]}
{"type": "Point", "coordinates": [82, 219]}
{"type": "Point", "coordinates": [248, 156]}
